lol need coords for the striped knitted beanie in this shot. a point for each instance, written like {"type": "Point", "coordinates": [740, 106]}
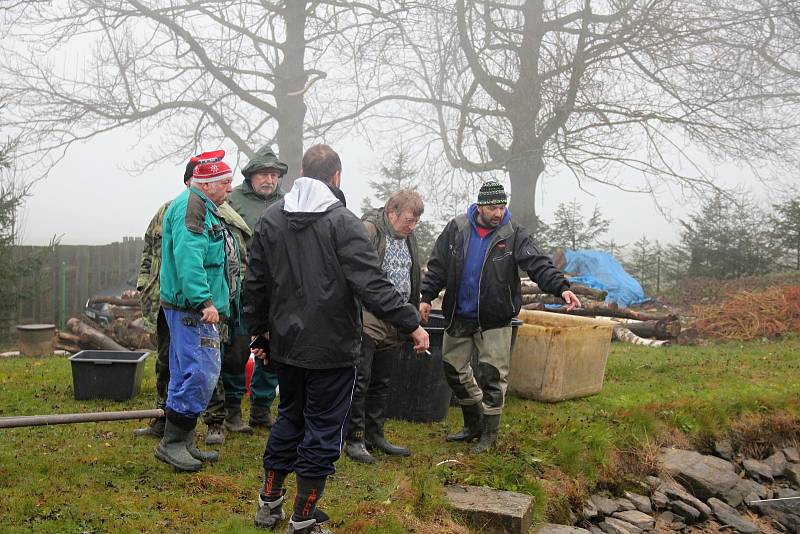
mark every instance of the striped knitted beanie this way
{"type": "Point", "coordinates": [492, 193]}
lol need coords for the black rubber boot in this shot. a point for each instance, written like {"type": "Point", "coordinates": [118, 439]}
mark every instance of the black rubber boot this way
{"type": "Point", "coordinates": [233, 417]}
{"type": "Point", "coordinates": [203, 456]}
{"type": "Point", "coordinates": [260, 416]}
{"type": "Point", "coordinates": [473, 417]}
{"type": "Point", "coordinates": [270, 512]}
{"type": "Point", "coordinates": [357, 451]}
{"type": "Point", "coordinates": [172, 448]}
{"type": "Point", "coordinates": [155, 428]}
{"type": "Point", "coordinates": [382, 444]}
{"type": "Point", "coordinates": [488, 434]}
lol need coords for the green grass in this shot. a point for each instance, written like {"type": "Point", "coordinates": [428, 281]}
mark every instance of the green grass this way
{"type": "Point", "coordinates": [98, 478]}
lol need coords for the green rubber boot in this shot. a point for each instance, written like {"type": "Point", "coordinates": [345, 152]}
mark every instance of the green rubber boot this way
{"type": "Point", "coordinates": [203, 456]}
{"type": "Point", "coordinates": [172, 449]}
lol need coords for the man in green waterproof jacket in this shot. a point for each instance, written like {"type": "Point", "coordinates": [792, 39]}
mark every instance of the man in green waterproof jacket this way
{"type": "Point", "coordinates": [224, 409]}
{"type": "Point", "coordinates": [200, 283]}
{"type": "Point", "coordinates": [259, 190]}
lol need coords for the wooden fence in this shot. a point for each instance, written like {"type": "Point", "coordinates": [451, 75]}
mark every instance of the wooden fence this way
{"type": "Point", "coordinates": [69, 274]}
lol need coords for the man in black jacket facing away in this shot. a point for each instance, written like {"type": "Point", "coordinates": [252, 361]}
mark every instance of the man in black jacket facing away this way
{"type": "Point", "coordinates": [311, 266]}
{"type": "Point", "coordinates": [477, 259]}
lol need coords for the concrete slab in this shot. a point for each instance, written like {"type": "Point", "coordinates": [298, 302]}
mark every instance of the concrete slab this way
{"type": "Point", "coordinates": [492, 511]}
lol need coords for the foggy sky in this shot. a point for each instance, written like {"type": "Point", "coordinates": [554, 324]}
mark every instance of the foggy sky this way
{"type": "Point", "coordinates": [89, 198]}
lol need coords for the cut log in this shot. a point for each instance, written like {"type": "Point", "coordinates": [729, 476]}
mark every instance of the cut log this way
{"type": "Point", "coordinates": [127, 333]}
{"type": "Point", "coordinates": [530, 288]}
{"type": "Point", "coordinates": [91, 337]}
{"type": "Point", "coordinates": [661, 329]}
{"type": "Point", "coordinates": [66, 337]}
{"type": "Point", "coordinates": [116, 301]}
{"type": "Point", "coordinates": [125, 312]}
{"type": "Point", "coordinates": [623, 334]}
{"type": "Point", "coordinates": [542, 298]}
{"type": "Point", "coordinates": [591, 309]}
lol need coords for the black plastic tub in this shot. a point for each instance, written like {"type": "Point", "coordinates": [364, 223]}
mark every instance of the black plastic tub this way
{"type": "Point", "coordinates": [418, 390]}
{"type": "Point", "coordinates": [107, 374]}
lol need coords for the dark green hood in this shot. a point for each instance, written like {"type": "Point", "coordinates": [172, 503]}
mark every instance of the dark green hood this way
{"type": "Point", "coordinates": [264, 159]}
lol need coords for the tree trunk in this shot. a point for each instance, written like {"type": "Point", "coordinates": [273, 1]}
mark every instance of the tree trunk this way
{"type": "Point", "coordinates": [290, 81]}
{"type": "Point", "coordinates": [524, 172]}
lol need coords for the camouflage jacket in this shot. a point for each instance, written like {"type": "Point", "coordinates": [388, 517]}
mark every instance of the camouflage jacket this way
{"type": "Point", "coordinates": [149, 267]}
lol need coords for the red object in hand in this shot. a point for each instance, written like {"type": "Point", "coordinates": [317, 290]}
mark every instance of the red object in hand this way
{"type": "Point", "coordinates": [248, 373]}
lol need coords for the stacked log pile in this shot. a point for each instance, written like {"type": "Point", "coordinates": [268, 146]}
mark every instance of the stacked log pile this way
{"type": "Point", "coordinates": [637, 327]}
{"type": "Point", "coordinates": [125, 332]}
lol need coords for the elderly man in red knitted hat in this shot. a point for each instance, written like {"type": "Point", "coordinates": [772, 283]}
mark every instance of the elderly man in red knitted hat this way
{"type": "Point", "coordinates": [199, 279]}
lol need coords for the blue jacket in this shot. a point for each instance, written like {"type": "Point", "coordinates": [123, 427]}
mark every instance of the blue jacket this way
{"type": "Point", "coordinates": [467, 302]}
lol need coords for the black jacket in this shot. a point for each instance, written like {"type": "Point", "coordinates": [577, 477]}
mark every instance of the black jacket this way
{"type": "Point", "coordinates": [311, 267]}
{"type": "Point", "coordinates": [500, 294]}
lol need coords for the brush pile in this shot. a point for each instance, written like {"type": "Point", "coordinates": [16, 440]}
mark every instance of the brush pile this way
{"type": "Point", "coordinates": [748, 315]}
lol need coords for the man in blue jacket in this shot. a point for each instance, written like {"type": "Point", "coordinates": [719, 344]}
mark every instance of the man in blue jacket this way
{"type": "Point", "coordinates": [476, 259]}
{"type": "Point", "coordinates": [199, 279]}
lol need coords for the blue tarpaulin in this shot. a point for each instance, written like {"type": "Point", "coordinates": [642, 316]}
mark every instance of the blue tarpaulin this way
{"type": "Point", "coordinates": [599, 270]}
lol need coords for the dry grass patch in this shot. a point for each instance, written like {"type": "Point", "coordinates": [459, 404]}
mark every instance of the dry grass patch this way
{"type": "Point", "coordinates": [757, 435]}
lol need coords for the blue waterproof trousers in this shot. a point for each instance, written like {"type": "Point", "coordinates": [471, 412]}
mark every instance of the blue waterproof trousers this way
{"type": "Point", "coordinates": [194, 362]}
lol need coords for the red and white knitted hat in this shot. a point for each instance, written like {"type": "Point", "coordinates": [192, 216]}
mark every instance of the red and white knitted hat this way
{"type": "Point", "coordinates": [211, 168]}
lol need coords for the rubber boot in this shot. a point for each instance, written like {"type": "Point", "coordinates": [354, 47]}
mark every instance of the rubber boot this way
{"type": "Point", "coordinates": [473, 417]}
{"type": "Point", "coordinates": [270, 513]}
{"type": "Point", "coordinates": [203, 456]}
{"type": "Point", "coordinates": [233, 417]}
{"type": "Point", "coordinates": [357, 451]}
{"type": "Point", "coordinates": [309, 526]}
{"type": "Point", "coordinates": [260, 416]}
{"type": "Point", "coordinates": [375, 419]}
{"type": "Point", "coordinates": [172, 448]}
{"type": "Point", "coordinates": [155, 428]}
{"type": "Point", "coordinates": [215, 434]}
{"type": "Point", "coordinates": [488, 434]}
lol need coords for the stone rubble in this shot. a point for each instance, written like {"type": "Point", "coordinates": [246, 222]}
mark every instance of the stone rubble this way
{"type": "Point", "coordinates": [723, 492]}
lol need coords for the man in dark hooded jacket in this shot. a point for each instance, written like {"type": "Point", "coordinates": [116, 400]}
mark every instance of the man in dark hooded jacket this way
{"type": "Point", "coordinates": [476, 260]}
{"type": "Point", "coordinates": [311, 268]}
{"type": "Point", "coordinates": [259, 190]}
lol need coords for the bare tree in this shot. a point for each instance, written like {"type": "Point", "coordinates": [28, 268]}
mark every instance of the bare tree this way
{"type": "Point", "coordinates": [618, 92]}
{"type": "Point", "coordinates": [249, 71]}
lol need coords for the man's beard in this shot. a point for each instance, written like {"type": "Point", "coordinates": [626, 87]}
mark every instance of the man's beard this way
{"type": "Point", "coordinates": [487, 223]}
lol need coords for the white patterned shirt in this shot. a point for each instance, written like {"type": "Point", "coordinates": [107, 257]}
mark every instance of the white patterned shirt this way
{"type": "Point", "coordinates": [397, 265]}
